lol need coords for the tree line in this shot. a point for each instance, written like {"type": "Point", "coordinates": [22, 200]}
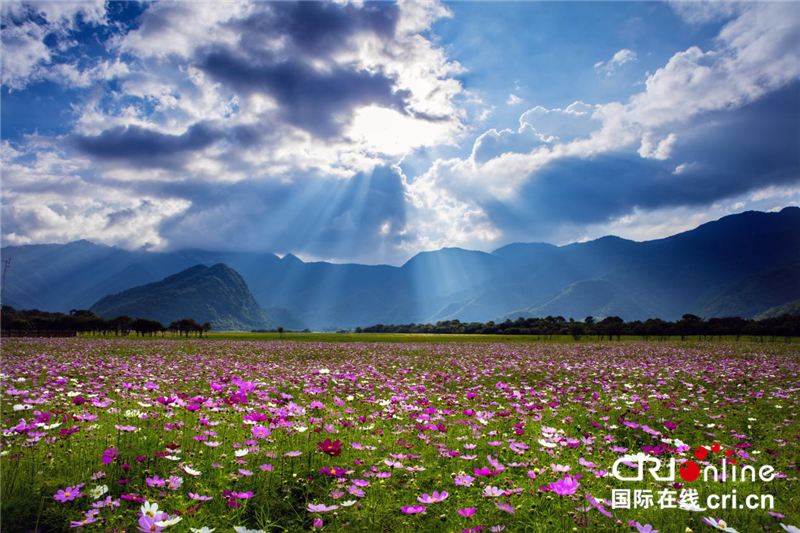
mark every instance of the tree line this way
{"type": "Point", "coordinates": [20, 322]}
{"type": "Point", "coordinates": [689, 325]}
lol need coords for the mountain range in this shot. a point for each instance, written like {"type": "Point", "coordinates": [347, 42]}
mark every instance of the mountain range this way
{"type": "Point", "coordinates": [741, 265]}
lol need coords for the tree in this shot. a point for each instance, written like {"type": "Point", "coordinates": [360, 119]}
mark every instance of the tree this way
{"type": "Point", "coordinates": [280, 332]}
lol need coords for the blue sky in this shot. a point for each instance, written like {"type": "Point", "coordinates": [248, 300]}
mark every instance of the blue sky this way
{"type": "Point", "coordinates": [370, 132]}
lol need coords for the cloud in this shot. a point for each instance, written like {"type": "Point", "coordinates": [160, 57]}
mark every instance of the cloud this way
{"type": "Point", "coordinates": [33, 37]}
{"type": "Point", "coordinates": [513, 99]}
{"type": "Point", "coordinates": [610, 67]}
{"type": "Point", "coordinates": [321, 102]}
{"type": "Point", "coordinates": [139, 147]}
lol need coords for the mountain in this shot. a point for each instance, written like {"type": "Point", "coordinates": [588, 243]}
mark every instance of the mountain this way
{"type": "Point", "coordinates": [791, 308]}
{"type": "Point", "coordinates": [741, 264]}
{"type": "Point", "coordinates": [216, 294]}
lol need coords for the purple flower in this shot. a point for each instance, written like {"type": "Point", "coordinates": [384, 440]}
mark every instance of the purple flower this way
{"type": "Point", "coordinates": [68, 494]}
{"type": "Point", "coordinates": [468, 512]}
{"type": "Point", "coordinates": [413, 509]}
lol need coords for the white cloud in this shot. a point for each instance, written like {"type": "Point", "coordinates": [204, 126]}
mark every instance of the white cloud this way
{"type": "Point", "coordinates": [610, 67]}
{"type": "Point", "coordinates": [25, 56]}
{"type": "Point", "coordinates": [513, 99]}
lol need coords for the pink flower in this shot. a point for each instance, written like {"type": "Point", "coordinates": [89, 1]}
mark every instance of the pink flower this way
{"type": "Point", "coordinates": [148, 524]}
{"type": "Point", "coordinates": [196, 496]}
{"type": "Point", "coordinates": [505, 507]}
{"type": "Point", "coordinates": [155, 481]}
{"type": "Point", "coordinates": [88, 519]}
{"type": "Point", "coordinates": [467, 513]}
{"type": "Point", "coordinates": [433, 498]}
{"type": "Point", "coordinates": [261, 432]}
{"type": "Point", "coordinates": [413, 509]}
{"type": "Point", "coordinates": [317, 523]}
{"type": "Point", "coordinates": [321, 508]}
{"type": "Point", "coordinates": [265, 468]}
{"type": "Point", "coordinates": [464, 480]}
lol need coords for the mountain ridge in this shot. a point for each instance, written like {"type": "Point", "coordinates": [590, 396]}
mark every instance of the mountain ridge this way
{"type": "Point", "coordinates": [663, 278]}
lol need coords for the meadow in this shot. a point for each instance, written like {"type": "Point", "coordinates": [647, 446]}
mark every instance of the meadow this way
{"type": "Point", "coordinates": [236, 435]}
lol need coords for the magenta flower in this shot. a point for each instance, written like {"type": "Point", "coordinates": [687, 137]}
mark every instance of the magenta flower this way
{"type": "Point", "coordinates": [644, 528]}
{"type": "Point", "coordinates": [565, 487]}
{"type": "Point", "coordinates": [109, 455]}
{"type": "Point", "coordinates": [317, 523]}
{"type": "Point", "coordinates": [433, 498]}
{"type": "Point", "coordinates": [413, 509]}
{"type": "Point", "coordinates": [468, 512]}
{"type": "Point", "coordinates": [198, 497]}
{"type": "Point", "coordinates": [321, 508]}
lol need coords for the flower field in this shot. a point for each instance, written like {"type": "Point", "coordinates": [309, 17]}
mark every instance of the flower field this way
{"type": "Point", "coordinates": [167, 435]}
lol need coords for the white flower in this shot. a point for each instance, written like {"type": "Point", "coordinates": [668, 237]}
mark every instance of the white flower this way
{"type": "Point", "coordinates": [324, 371]}
{"type": "Point", "coordinates": [348, 503]}
{"type": "Point", "coordinates": [547, 443]}
{"type": "Point", "coordinates": [22, 407]}
{"type": "Point", "coordinates": [203, 529]}
{"type": "Point", "coordinates": [241, 529]}
{"type": "Point", "coordinates": [301, 429]}
{"type": "Point", "coordinates": [719, 524]}
{"type": "Point", "coordinates": [191, 471]}
{"type": "Point", "coordinates": [150, 509]}
{"type": "Point", "coordinates": [172, 458]}
{"type": "Point", "coordinates": [493, 492]}
{"type": "Point", "coordinates": [170, 522]}
{"type": "Point", "coordinates": [98, 491]}
{"type": "Point", "coordinates": [791, 529]}
{"type": "Point", "coordinates": [242, 452]}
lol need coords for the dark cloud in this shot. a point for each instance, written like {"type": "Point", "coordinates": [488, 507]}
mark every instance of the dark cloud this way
{"type": "Point", "coordinates": [143, 148]}
{"type": "Point", "coordinates": [316, 29]}
{"type": "Point", "coordinates": [317, 101]}
{"type": "Point", "coordinates": [726, 154]}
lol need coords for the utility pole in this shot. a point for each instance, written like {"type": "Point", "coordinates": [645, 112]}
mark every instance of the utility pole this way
{"type": "Point", "coordinates": [6, 266]}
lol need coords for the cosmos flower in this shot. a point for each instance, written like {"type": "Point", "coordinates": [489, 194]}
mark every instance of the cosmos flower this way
{"type": "Point", "coordinates": [413, 509]}
{"type": "Point", "coordinates": [565, 486]}
{"type": "Point", "coordinates": [332, 448]}
{"type": "Point", "coordinates": [68, 494]}
{"type": "Point", "coordinates": [719, 524]}
{"type": "Point", "coordinates": [321, 508]}
{"type": "Point", "coordinates": [467, 513]}
{"type": "Point", "coordinates": [433, 498]}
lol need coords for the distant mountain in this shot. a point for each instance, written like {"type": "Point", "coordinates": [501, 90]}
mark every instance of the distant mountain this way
{"type": "Point", "coordinates": [741, 264]}
{"type": "Point", "coordinates": [791, 308]}
{"type": "Point", "coordinates": [216, 294]}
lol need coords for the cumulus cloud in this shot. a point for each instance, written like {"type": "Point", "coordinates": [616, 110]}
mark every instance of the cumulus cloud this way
{"type": "Point", "coordinates": [27, 57]}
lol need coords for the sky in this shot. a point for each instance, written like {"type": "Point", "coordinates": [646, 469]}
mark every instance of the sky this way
{"type": "Point", "coordinates": [368, 132]}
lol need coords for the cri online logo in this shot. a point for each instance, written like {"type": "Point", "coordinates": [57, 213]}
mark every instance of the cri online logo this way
{"type": "Point", "coordinates": [690, 470]}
